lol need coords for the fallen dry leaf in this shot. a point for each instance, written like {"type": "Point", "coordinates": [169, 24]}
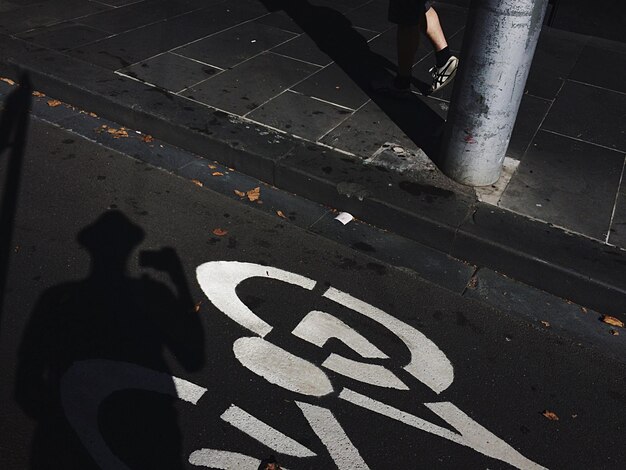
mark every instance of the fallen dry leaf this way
{"type": "Point", "coordinates": [614, 332]}
{"type": "Point", "coordinates": [117, 133]}
{"type": "Point", "coordinates": [217, 173]}
{"type": "Point", "coordinates": [54, 103]}
{"type": "Point", "coordinates": [280, 214]}
{"type": "Point", "coordinates": [240, 193]}
{"type": "Point", "coordinates": [545, 323]}
{"type": "Point", "coordinates": [147, 138]}
{"type": "Point", "coordinates": [212, 167]}
{"type": "Point", "coordinates": [473, 282]}
{"type": "Point", "coordinates": [197, 182]}
{"type": "Point", "coordinates": [38, 94]}
{"type": "Point", "coordinates": [584, 310]}
{"type": "Point", "coordinates": [220, 232]}
{"type": "Point", "coordinates": [609, 320]}
{"type": "Point", "coordinates": [7, 80]}
{"type": "Point", "coordinates": [254, 194]}
{"type": "Point", "coordinates": [550, 415]}
{"type": "Point", "coordinates": [93, 114]}
{"type": "Point", "coordinates": [196, 308]}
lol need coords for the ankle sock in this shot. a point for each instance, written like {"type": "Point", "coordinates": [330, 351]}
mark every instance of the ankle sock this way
{"type": "Point", "coordinates": [402, 82]}
{"type": "Point", "coordinates": [442, 56]}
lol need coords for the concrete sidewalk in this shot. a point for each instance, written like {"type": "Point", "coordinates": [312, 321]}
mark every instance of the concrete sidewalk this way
{"type": "Point", "coordinates": [279, 90]}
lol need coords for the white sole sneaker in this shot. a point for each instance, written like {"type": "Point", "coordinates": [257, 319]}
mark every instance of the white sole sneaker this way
{"type": "Point", "coordinates": [444, 74]}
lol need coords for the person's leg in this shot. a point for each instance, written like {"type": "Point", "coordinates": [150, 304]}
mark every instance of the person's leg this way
{"type": "Point", "coordinates": [434, 31]}
{"type": "Point", "coordinates": [408, 16]}
{"type": "Point", "coordinates": [407, 43]}
{"type": "Point", "coordinates": [445, 63]}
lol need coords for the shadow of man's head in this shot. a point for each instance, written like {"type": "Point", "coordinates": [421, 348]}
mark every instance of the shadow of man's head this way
{"type": "Point", "coordinates": [110, 240]}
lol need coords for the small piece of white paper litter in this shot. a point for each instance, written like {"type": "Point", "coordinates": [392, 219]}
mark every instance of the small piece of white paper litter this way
{"type": "Point", "coordinates": [344, 218]}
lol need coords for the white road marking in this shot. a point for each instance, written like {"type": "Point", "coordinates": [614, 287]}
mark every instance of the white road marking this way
{"type": "Point", "coordinates": [318, 327]}
{"type": "Point", "coordinates": [373, 374]}
{"type": "Point", "coordinates": [281, 368]}
{"type": "Point", "coordinates": [223, 459]}
{"type": "Point", "coordinates": [87, 383]}
{"type": "Point", "coordinates": [264, 433]}
{"type": "Point", "coordinates": [332, 435]}
{"type": "Point", "coordinates": [472, 434]}
{"type": "Point", "coordinates": [219, 279]}
{"type": "Point", "coordinates": [428, 363]}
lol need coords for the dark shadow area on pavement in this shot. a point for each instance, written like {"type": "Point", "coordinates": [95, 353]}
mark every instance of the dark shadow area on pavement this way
{"type": "Point", "coordinates": [334, 35]}
{"type": "Point", "coordinates": [92, 368]}
{"type": "Point", "coordinates": [13, 133]}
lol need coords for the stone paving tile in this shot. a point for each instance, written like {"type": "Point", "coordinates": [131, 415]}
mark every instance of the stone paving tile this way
{"type": "Point", "coordinates": [300, 115]}
{"type": "Point", "coordinates": [133, 46]}
{"type": "Point", "coordinates": [252, 83]}
{"type": "Point", "coordinates": [385, 46]}
{"type": "Point", "coordinates": [602, 66]}
{"type": "Point", "coordinates": [170, 71]}
{"type": "Point", "coordinates": [334, 85]}
{"type": "Point", "coordinates": [555, 56]}
{"type": "Point", "coordinates": [617, 233]}
{"type": "Point", "coordinates": [228, 48]}
{"type": "Point", "coordinates": [531, 113]}
{"type": "Point", "coordinates": [306, 49]}
{"type": "Point", "coordinates": [372, 16]}
{"type": "Point", "coordinates": [280, 19]}
{"type": "Point", "coordinates": [568, 183]}
{"type": "Point", "coordinates": [370, 127]}
{"type": "Point", "coordinates": [134, 15]}
{"type": "Point", "coordinates": [591, 114]}
{"type": "Point", "coordinates": [38, 15]}
{"type": "Point", "coordinates": [303, 48]}
{"type": "Point", "coordinates": [64, 36]}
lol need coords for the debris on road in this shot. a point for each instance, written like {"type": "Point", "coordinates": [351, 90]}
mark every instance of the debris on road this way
{"type": "Point", "coordinates": [197, 182]}
{"type": "Point", "coordinates": [609, 320]}
{"type": "Point", "coordinates": [344, 217]}
{"type": "Point", "coordinates": [54, 103]}
{"type": "Point", "coordinates": [550, 415]}
{"type": "Point", "coordinates": [220, 232]}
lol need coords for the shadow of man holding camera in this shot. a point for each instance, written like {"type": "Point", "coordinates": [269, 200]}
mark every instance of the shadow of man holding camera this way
{"type": "Point", "coordinates": [113, 318]}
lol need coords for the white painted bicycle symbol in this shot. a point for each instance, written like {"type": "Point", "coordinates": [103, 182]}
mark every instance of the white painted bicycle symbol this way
{"type": "Point", "coordinates": [219, 280]}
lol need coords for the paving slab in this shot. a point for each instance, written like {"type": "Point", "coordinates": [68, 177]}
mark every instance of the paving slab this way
{"type": "Point", "coordinates": [553, 61]}
{"type": "Point", "coordinates": [158, 71]}
{"type": "Point", "coordinates": [64, 36]}
{"type": "Point", "coordinates": [300, 115]}
{"type": "Point", "coordinates": [591, 114]}
{"type": "Point", "coordinates": [603, 64]}
{"type": "Point", "coordinates": [530, 116]}
{"type": "Point", "coordinates": [228, 48]}
{"type": "Point", "coordinates": [245, 88]}
{"type": "Point", "coordinates": [558, 173]}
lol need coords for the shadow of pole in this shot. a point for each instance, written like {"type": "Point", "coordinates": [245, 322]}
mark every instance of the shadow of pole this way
{"type": "Point", "coordinates": [13, 133]}
{"type": "Point", "coordinates": [334, 35]}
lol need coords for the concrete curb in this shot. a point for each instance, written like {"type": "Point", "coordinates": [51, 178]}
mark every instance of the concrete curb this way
{"type": "Point", "coordinates": [569, 266]}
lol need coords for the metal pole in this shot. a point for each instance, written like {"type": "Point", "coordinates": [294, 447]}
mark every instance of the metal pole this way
{"type": "Point", "coordinates": [499, 44]}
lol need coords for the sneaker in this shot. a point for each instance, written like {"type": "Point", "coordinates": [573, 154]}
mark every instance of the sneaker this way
{"type": "Point", "coordinates": [444, 74]}
{"type": "Point", "coordinates": [389, 87]}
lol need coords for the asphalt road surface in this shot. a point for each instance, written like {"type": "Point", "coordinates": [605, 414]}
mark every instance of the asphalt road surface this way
{"type": "Point", "coordinates": [151, 323]}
